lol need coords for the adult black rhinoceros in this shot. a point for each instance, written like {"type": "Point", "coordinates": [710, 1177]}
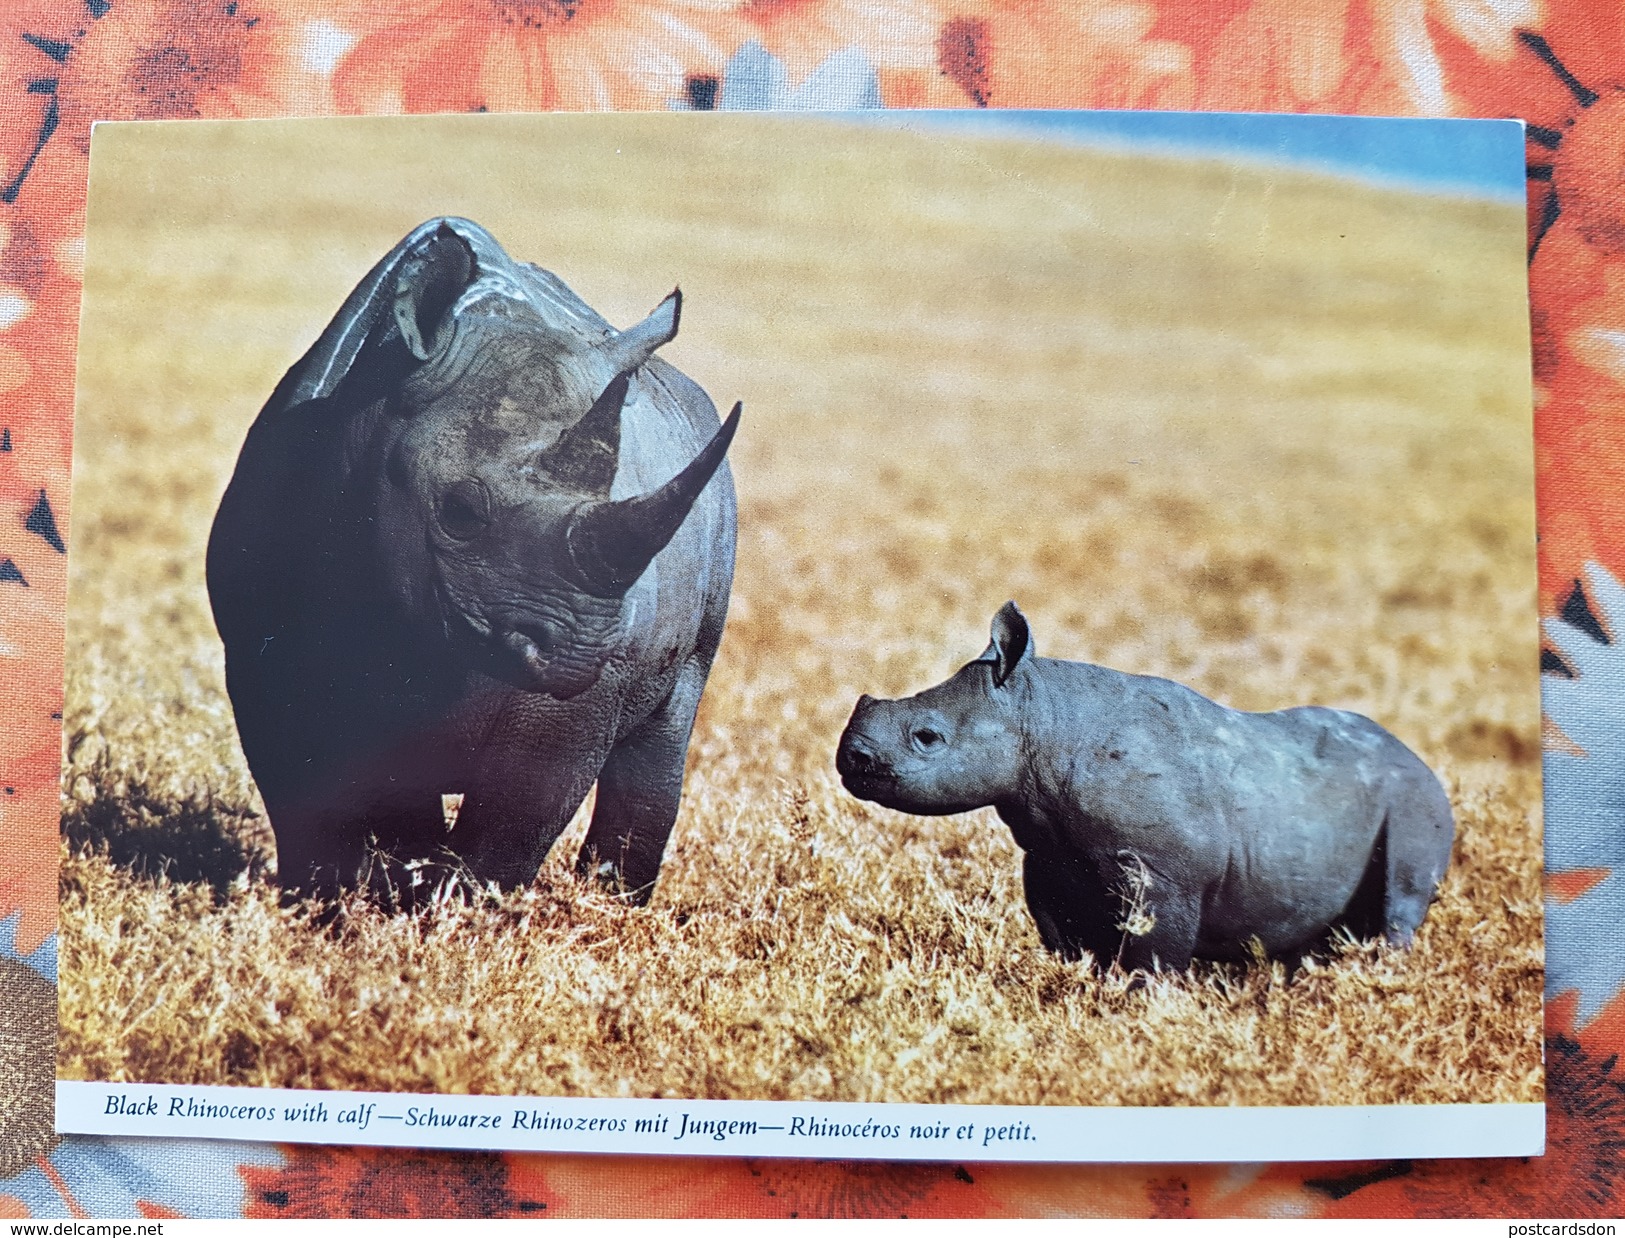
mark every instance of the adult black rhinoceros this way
{"type": "Point", "coordinates": [478, 544]}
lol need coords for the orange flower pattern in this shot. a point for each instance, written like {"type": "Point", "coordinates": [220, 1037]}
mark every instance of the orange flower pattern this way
{"type": "Point", "coordinates": [67, 63]}
{"type": "Point", "coordinates": [532, 55]}
{"type": "Point", "coordinates": [1008, 53]}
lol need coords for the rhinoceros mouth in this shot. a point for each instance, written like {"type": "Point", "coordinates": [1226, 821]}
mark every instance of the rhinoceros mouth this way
{"type": "Point", "coordinates": [516, 660]}
{"type": "Point", "coordinates": [531, 645]}
{"type": "Point", "coordinates": [536, 656]}
{"type": "Point", "coordinates": [864, 774]}
{"type": "Point", "coordinates": [871, 787]}
{"type": "Point", "coordinates": [532, 641]}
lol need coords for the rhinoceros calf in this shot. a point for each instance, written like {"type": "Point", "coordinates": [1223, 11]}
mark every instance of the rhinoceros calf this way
{"type": "Point", "coordinates": [1159, 826]}
{"type": "Point", "coordinates": [475, 557]}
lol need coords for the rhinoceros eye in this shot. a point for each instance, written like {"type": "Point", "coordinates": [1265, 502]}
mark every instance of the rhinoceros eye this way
{"type": "Point", "coordinates": [465, 510]}
{"type": "Point", "coordinates": [926, 739]}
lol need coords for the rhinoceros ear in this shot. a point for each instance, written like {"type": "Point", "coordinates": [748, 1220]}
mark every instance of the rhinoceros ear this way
{"type": "Point", "coordinates": [587, 454]}
{"type": "Point", "coordinates": [1012, 641]}
{"type": "Point", "coordinates": [362, 349]}
{"type": "Point", "coordinates": [432, 276]}
{"type": "Point", "coordinates": [632, 347]}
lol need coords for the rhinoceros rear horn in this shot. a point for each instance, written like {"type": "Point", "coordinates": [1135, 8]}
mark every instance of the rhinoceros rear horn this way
{"type": "Point", "coordinates": [632, 347]}
{"type": "Point", "coordinates": [612, 542]}
{"type": "Point", "coordinates": [431, 279]}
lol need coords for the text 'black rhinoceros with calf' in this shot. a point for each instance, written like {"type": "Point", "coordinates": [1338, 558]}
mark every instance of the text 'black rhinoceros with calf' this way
{"type": "Point", "coordinates": [1159, 826]}
{"type": "Point", "coordinates": [475, 557]}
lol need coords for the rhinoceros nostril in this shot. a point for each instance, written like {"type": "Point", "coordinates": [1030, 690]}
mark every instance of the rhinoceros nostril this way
{"type": "Point", "coordinates": [858, 758]}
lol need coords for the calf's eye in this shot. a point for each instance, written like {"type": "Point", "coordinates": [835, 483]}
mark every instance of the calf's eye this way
{"type": "Point", "coordinates": [925, 738]}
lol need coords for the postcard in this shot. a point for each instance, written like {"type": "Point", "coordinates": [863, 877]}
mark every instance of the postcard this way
{"type": "Point", "coordinates": [936, 636]}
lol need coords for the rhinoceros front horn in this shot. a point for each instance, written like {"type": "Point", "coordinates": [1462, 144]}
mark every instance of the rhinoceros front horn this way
{"type": "Point", "coordinates": [610, 543]}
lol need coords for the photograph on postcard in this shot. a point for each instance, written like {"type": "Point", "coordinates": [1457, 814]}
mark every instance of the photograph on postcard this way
{"type": "Point", "coordinates": [953, 610]}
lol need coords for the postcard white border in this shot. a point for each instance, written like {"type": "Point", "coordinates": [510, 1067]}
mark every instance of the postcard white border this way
{"type": "Point", "coordinates": [770, 1128]}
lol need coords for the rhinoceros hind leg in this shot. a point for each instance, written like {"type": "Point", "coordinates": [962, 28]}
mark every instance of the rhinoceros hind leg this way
{"type": "Point", "coordinates": [1419, 832]}
{"type": "Point", "coordinates": [1366, 913]}
{"type": "Point", "coordinates": [638, 793]}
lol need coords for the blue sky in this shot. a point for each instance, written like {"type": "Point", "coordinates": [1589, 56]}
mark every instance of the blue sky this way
{"type": "Point", "coordinates": [1483, 158]}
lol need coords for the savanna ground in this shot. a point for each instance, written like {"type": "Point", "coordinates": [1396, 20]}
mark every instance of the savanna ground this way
{"type": "Point", "coordinates": [1266, 434]}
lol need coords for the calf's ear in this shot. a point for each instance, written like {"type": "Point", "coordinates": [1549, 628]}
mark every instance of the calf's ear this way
{"type": "Point", "coordinates": [1012, 641]}
{"type": "Point", "coordinates": [432, 276]}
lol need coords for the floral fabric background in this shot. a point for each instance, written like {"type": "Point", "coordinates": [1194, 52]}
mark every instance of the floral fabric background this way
{"type": "Point", "coordinates": [67, 63]}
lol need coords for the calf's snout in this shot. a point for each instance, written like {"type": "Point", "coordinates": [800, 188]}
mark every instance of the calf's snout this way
{"type": "Point", "coordinates": [857, 755]}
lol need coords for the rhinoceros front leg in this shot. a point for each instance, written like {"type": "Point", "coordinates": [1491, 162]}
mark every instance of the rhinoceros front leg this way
{"type": "Point", "coordinates": [532, 770]}
{"type": "Point", "coordinates": [317, 855]}
{"type": "Point", "coordinates": [1162, 929]}
{"type": "Point", "coordinates": [638, 792]}
{"type": "Point", "coordinates": [1071, 906]}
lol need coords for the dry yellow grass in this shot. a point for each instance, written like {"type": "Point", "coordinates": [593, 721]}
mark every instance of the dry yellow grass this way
{"type": "Point", "coordinates": [1264, 434]}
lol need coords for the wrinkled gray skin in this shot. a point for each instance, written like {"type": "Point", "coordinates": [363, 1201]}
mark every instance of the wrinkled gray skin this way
{"type": "Point", "coordinates": [477, 543]}
{"type": "Point", "coordinates": [1223, 826]}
